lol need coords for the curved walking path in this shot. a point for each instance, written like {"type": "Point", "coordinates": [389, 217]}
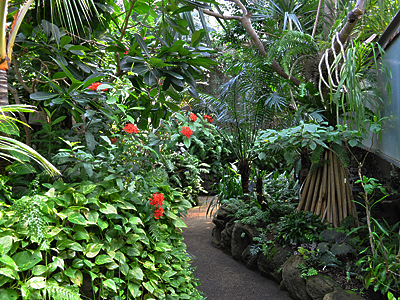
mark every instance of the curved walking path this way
{"type": "Point", "coordinates": [222, 277]}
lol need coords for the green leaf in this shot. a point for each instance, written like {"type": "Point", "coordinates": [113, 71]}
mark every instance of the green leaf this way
{"type": "Point", "coordinates": [42, 96]}
{"type": "Point", "coordinates": [178, 223]}
{"type": "Point", "coordinates": [197, 37]}
{"type": "Point", "coordinates": [108, 209]}
{"type": "Point", "coordinates": [39, 270]}
{"type": "Point", "coordinates": [142, 44]}
{"type": "Point", "coordinates": [92, 217]}
{"type": "Point", "coordinates": [92, 250]}
{"type": "Point", "coordinates": [134, 289]}
{"type": "Point", "coordinates": [25, 260]}
{"type": "Point", "coordinates": [8, 273]}
{"type": "Point", "coordinates": [8, 261]}
{"type": "Point", "coordinates": [77, 218]}
{"type": "Point", "coordinates": [8, 294]}
{"type": "Point", "coordinates": [141, 7]}
{"type": "Point", "coordinates": [6, 244]}
{"type": "Point", "coordinates": [86, 187]}
{"type": "Point", "coordinates": [186, 141]}
{"type": "Point", "coordinates": [137, 273]}
{"type": "Point", "coordinates": [111, 284]}
{"type": "Point", "coordinates": [90, 141]}
{"type": "Point", "coordinates": [135, 220]}
{"type": "Point", "coordinates": [103, 259]}
{"type": "Point", "coordinates": [37, 283]}
{"type": "Point", "coordinates": [81, 233]}
{"type": "Point", "coordinates": [65, 40]}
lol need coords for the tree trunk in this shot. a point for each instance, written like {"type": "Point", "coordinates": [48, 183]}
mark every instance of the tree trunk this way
{"type": "Point", "coordinates": [260, 195]}
{"type": "Point", "coordinates": [3, 101]}
{"type": "Point", "coordinates": [244, 171]}
{"type": "Point", "coordinates": [3, 88]}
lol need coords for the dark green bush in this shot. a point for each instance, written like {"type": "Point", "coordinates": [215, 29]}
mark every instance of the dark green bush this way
{"type": "Point", "coordinates": [300, 227]}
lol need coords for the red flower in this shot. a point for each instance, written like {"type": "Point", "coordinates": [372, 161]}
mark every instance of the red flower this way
{"type": "Point", "coordinates": [113, 140]}
{"type": "Point", "coordinates": [192, 117]}
{"type": "Point", "coordinates": [126, 52]}
{"type": "Point", "coordinates": [157, 199]}
{"type": "Point", "coordinates": [130, 128]}
{"type": "Point", "coordinates": [94, 86]}
{"type": "Point", "coordinates": [158, 212]}
{"type": "Point", "coordinates": [186, 131]}
{"type": "Point", "coordinates": [208, 118]}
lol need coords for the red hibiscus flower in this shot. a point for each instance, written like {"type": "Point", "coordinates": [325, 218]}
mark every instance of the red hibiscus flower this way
{"type": "Point", "coordinates": [95, 85]}
{"type": "Point", "coordinates": [186, 131]}
{"type": "Point", "coordinates": [158, 212]}
{"type": "Point", "coordinates": [113, 140]}
{"type": "Point", "coordinates": [192, 117]}
{"type": "Point", "coordinates": [157, 199]}
{"type": "Point", "coordinates": [130, 128]}
{"type": "Point", "coordinates": [208, 118]}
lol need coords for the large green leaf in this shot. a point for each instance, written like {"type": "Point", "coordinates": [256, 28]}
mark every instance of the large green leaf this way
{"type": "Point", "coordinates": [77, 218]}
{"type": "Point", "coordinates": [6, 244]}
{"type": "Point", "coordinates": [42, 96]}
{"type": "Point", "coordinates": [8, 294]}
{"type": "Point", "coordinates": [92, 250]}
{"type": "Point", "coordinates": [103, 259]}
{"type": "Point", "coordinates": [137, 273]}
{"type": "Point", "coordinates": [25, 260]}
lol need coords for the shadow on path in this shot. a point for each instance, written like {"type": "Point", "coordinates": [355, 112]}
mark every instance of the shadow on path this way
{"type": "Point", "coordinates": [222, 277]}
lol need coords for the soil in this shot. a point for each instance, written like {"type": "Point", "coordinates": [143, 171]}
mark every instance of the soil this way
{"type": "Point", "coordinates": [340, 277]}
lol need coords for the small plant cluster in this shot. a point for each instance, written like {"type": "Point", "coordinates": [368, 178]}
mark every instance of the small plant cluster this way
{"type": "Point", "coordinates": [300, 227]}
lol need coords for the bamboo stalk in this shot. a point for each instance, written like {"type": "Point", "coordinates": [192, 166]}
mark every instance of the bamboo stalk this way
{"type": "Point", "coordinates": [349, 198]}
{"type": "Point", "coordinates": [316, 189]}
{"type": "Point", "coordinates": [324, 182]}
{"type": "Point", "coordinates": [325, 207]}
{"type": "Point", "coordinates": [304, 194]}
{"type": "Point", "coordinates": [310, 192]}
{"type": "Point", "coordinates": [337, 203]}
{"type": "Point", "coordinates": [344, 194]}
{"type": "Point", "coordinates": [332, 189]}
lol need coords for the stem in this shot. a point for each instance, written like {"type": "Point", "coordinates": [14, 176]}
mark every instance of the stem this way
{"type": "Point", "coordinates": [367, 210]}
{"type": "Point", "coordinates": [317, 18]}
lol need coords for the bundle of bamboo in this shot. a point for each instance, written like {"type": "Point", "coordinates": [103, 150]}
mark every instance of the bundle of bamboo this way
{"type": "Point", "coordinates": [327, 192]}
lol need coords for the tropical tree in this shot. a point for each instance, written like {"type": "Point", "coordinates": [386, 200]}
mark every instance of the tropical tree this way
{"type": "Point", "coordinates": [335, 74]}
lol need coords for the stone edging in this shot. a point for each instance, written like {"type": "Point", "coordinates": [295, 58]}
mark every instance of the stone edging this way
{"type": "Point", "coordinates": [280, 265]}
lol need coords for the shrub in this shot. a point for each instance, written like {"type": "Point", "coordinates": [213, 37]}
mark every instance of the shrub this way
{"type": "Point", "coordinates": [300, 227]}
{"type": "Point", "coordinates": [96, 240]}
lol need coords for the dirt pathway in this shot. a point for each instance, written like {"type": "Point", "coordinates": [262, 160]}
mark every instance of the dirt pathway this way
{"type": "Point", "coordinates": [222, 277]}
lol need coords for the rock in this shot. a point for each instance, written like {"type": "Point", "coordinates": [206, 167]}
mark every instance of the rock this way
{"type": "Point", "coordinates": [240, 240]}
{"type": "Point", "coordinates": [224, 214]}
{"type": "Point", "coordinates": [342, 295]}
{"type": "Point", "coordinates": [295, 285]}
{"type": "Point", "coordinates": [271, 266]}
{"type": "Point", "coordinates": [216, 237]}
{"type": "Point", "coordinates": [226, 235]}
{"type": "Point", "coordinates": [219, 223]}
{"type": "Point", "coordinates": [249, 259]}
{"type": "Point", "coordinates": [318, 286]}
{"type": "Point", "coordinates": [251, 231]}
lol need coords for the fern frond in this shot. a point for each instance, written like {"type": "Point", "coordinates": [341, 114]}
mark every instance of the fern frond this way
{"type": "Point", "coordinates": [317, 154]}
{"type": "Point", "coordinates": [57, 292]}
{"type": "Point", "coordinates": [290, 47]}
{"type": "Point", "coordinates": [154, 230]}
{"type": "Point", "coordinates": [342, 154]}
